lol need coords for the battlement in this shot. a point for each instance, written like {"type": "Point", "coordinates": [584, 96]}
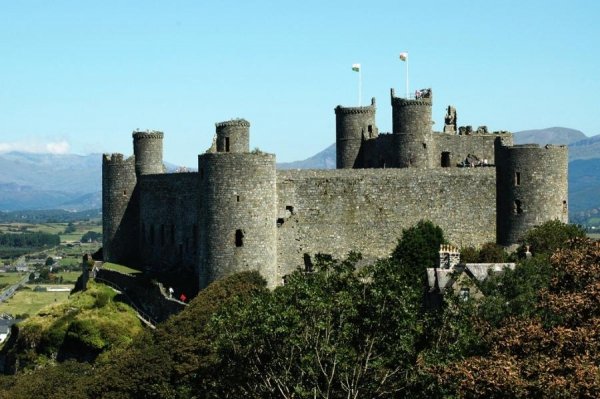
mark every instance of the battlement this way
{"type": "Point", "coordinates": [233, 122]}
{"type": "Point", "coordinates": [537, 146]}
{"type": "Point", "coordinates": [148, 134]}
{"type": "Point", "coordinates": [424, 99]}
{"type": "Point", "coordinates": [368, 109]}
{"type": "Point", "coordinates": [113, 158]}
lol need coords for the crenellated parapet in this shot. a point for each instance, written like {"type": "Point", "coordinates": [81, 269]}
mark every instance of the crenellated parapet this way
{"type": "Point", "coordinates": [148, 134]}
{"type": "Point", "coordinates": [240, 122]}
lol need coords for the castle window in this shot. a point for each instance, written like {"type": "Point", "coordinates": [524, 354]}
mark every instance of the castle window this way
{"type": "Point", "coordinates": [239, 238]}
{"type": "Point", "coordinates": [517, 178]}
{"type": "Point", "coordinates": [124, 193]}
{"type": "Point", "coordinates": [517, 209]}
{"type": "Point", "coordinates": [370, 130]}
{"type": "Point", "coordinates": [226, 144]}
{"type": "Point", "coordinates": [238, 198]}
{"type": "Point", "coordinates": [564, 209]}
{"type": "Point", "coordinates": [289, 210]}
{"type": "Point", "coordinates": [445, 159]}
{"type": "Point", "coordinates": [279, 222]}
{"type": "Point", "coordinates": [425, 145]}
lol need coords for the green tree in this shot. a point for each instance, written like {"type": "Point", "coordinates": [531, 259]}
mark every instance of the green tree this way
{"type": "Point", "coordinates": [515, 292]}
{"type": "Point", "coordinates": [418, 249]}
{"type": "Point", "coordinates": [550, 236]}
{"type": "Point", "coordinates": [91, 236]}
{"type": "Point", "coordinates": [335, 332]}
{"type": "Point", "coordinates": [49, 261]}
{"type": "Point", "coordinates": [491, 252]}
{"type": "Point", "coordinates": [70, 228]}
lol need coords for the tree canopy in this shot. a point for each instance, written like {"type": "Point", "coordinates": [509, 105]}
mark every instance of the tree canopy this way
{"type": "Point", "coordinates": [340, 331]}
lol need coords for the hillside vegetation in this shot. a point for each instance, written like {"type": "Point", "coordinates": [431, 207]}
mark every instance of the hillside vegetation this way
{"type": "Point", "coordinates": [88, 324]}
{"type": "Point", "coordinates": [339, 332]}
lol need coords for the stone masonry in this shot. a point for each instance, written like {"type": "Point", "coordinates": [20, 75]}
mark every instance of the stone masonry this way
{"type": "Point", "coordinates": [237, 212]}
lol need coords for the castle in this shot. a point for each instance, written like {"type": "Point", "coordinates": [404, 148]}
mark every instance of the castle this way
{"type": "Point", "coordinates": [238, 212]}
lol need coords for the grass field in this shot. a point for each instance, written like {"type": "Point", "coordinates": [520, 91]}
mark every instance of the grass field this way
{"type": "Point", "coordinates": [119, 268]}
{"type": "Point", "coordinates": [10, 278]}
{"type": "Point", "coordinates": [69, 277]}
{"type": "Point", "coordinates": [29, 302]}
{"type": "Point", "coordinates": [53, 228]}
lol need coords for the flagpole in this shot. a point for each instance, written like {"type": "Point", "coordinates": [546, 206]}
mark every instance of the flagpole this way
{"type": "Point", "coordinates": [407, 77]}
{"type": "Point", "coordinates": [359, 86]}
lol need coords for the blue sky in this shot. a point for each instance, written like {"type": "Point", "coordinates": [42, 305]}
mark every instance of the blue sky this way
{"type": "Point", "coordinates": [79, 76]}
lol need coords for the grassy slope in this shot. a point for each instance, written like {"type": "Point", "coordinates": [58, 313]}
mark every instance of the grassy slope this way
{"type": "Point", "coordinates": [82, 328]}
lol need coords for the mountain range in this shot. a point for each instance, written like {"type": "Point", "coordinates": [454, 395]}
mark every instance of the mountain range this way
{"type": "Point", "coordinates": [73, 182]}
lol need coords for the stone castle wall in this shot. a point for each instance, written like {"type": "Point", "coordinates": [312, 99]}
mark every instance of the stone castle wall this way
{"type": "Point", "coordinates": [168, 220]}
{"type": "Point", "coordinates": [365, 210]}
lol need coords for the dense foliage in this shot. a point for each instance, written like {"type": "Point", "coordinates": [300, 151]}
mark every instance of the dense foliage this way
{"type": "Point", "coordinates": [29, 240]}
{"type": "Point", "coordinates": [343, 332]}
{"type": "Point", "coordinates": [418, 249]}
{"type": "Point", "coordinates": [83, 328]}
{"type": "Point", "coordinates": [91, 236]}
{"type": "Point", "coordinates": [550, 236]}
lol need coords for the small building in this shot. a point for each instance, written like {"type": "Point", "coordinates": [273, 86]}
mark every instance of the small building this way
{"type": "Point", "coordinates": [460, 278]}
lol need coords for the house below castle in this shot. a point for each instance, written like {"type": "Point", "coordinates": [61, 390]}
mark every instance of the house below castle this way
{"type": "Point", "coordinates": [237, 212]}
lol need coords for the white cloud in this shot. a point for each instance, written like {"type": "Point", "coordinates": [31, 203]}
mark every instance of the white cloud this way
{"type": "Point", "coordinates": [36, 146]}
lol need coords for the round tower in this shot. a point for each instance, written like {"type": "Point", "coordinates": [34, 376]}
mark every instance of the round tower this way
{"type": "Point", "coordinates": [148, 151]}
{"type": "Point", "coordinates": [233, 136]}
{"type": "Point", "coordinates": [353, 125]}
{"type": "Point", "coordinates": [237, 218]}
{"type": "Point", "coordinates": [119, 209]}
{"type": "Point", "coordinates": [531, 188]}
{"type": "Point", "coordinates": [411, 126]}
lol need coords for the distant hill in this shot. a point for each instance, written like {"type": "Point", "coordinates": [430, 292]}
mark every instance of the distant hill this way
{"type": "Point", "coordinates": [580, 146]}
{"type": "Point", "coordinates": [67, 173]}
{"type": "Point", "coordinates": [46, 181]}
{"type": "Point", "coordinates": [551, 135]}
{"type": "Point", "coordinates": [584, 184]}
{"type": "Point", "coordinates": [323, 160]}
{"type": "Point", "coordinates": [588, 148]}
{"type": "Point", "coordinates": [73, 182]}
